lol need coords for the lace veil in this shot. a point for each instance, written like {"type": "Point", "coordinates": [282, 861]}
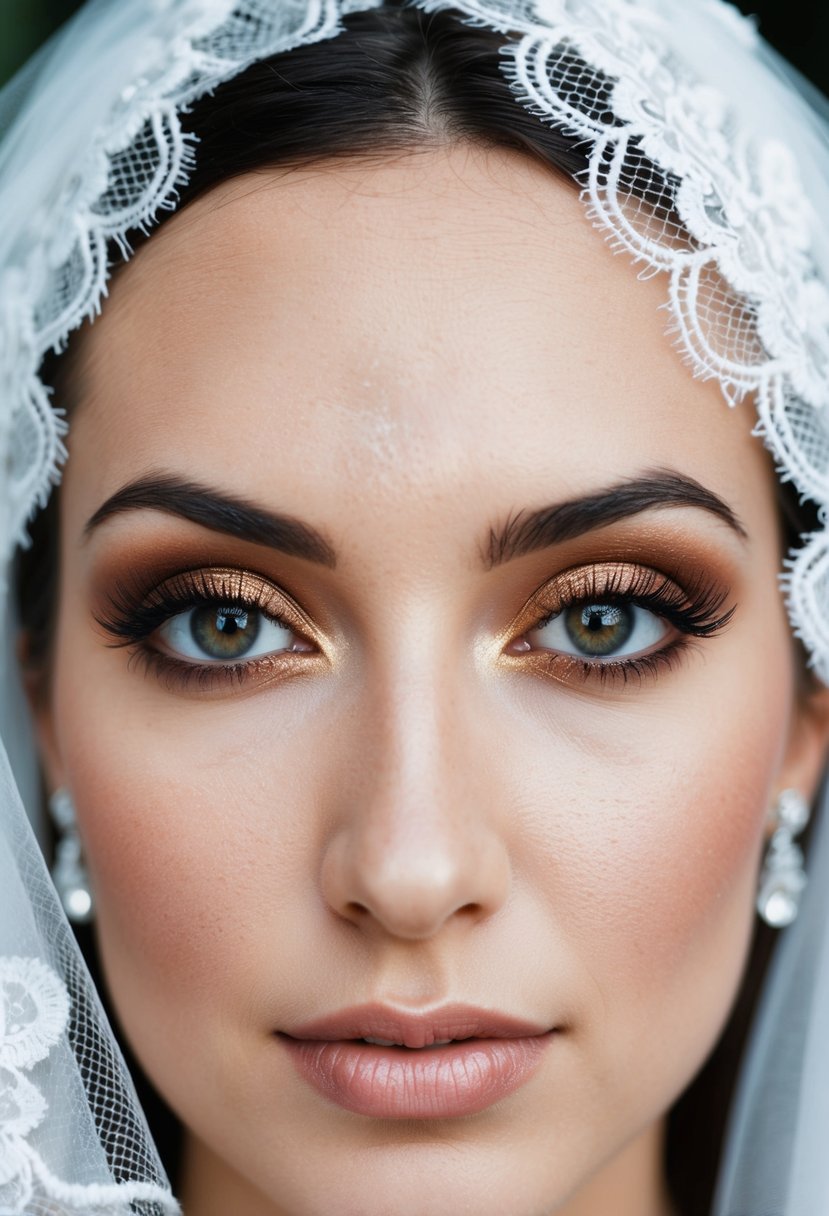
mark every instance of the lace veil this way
{"type": "Point", "coordinates": [708, 163]}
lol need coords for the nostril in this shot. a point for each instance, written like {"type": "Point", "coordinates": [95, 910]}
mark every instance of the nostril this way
{"type": "Point", "coordinates": [411, 921]}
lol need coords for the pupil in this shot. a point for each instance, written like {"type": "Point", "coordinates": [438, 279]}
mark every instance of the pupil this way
{"type": "Point", "coordinates": [227, 623]}
{"type": "Point", "coordinates": [595, 621]}
{"type": "Point", "coordinates": [226, 632]}
{"type": "Point", "coordinates": [599, 629]}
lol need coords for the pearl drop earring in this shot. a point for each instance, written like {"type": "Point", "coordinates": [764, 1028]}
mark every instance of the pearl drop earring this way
{"type": "Point", "coordinates": [783, 877]}
{"type": "Point", "coordinates": [68, 870]}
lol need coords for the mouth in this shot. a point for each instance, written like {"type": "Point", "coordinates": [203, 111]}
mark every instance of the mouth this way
{"type": "Point", "coordinates": [383, 1063]}
{"type": "Point", "coordinates": [392, 1043]}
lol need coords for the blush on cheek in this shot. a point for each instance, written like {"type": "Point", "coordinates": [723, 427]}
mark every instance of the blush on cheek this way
{"type": "Point", "coordinates": [687, 905]}
{"type": "Point", "coordinates": [657, 871]}
{"type": "Point", "coordinates": [158, 902]}
{"type": "Point", "coordinates": [665, 941]}
{"type": "Point", "coordinates": [174, 949]}
{"type": "Point", "coordinates": [703, 862]}
{"type": "Point", "coordinates": [160, 859]}
{"type": "Point", "coordinates": [189, 854]}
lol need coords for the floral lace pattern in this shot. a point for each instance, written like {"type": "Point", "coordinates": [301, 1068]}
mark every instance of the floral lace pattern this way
{"type": "Point", "coordinates": [34, 1009]}
{"type": "Point", "coordinates": [34, 1015]}
{"type": "Point", "coordinates": [135, 161]}
{"type": "Point", "coordinates": [673, 180]}
{"type": "Point", "coordinates": [731, 226]}
{"type": "Point", "coordinates": [72, 1137]}
{"type": "Point", "coordinates": [727, 219]}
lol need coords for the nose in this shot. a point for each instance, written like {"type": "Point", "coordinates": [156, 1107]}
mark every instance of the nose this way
{"type": "Point", "coordinates": [418, 842]}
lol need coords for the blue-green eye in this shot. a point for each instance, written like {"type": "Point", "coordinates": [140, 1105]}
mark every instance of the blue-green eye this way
{"type": "Point", "coordinates": [600, 631]}
{"type": "Point", "coordinates": [224, 633]}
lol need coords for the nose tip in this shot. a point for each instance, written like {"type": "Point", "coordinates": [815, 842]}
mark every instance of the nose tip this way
{"type": "Point", "coordinates": [412, 889]}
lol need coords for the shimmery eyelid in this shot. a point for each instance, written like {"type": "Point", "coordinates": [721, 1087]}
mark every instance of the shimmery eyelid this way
{"type": "Point", "coordinates": [134, 611]}
{"type": "Point", "coordinates": [696, 608]}
{"type": "Point", "coordinates": [695, 612]}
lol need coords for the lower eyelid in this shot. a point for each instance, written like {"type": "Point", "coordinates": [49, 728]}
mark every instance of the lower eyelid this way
{"type": "Point", "coordinates": [179, 675]}
{"type": "Point", "coordinates": [568, 669]}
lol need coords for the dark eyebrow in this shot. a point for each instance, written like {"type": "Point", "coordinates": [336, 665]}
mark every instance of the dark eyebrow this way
{"type": "Point", "coordinates": [526, 532]}
{"type": "Point", "coordinates": [219, 511]}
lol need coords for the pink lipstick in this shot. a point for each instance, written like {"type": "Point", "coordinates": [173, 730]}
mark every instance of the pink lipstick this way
{"type": "Point", "coordinates": [379, 1062]}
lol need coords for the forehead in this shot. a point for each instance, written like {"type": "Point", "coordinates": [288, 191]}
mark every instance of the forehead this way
{"type": "Point", "coordinates": [435, 324]}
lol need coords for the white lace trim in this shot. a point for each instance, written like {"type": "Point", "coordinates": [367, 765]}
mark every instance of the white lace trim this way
{"type": "Point", "coordinates": [34, 1016]}
{"type": "Point", "coordinates": [732, 230]}
{"type": "Point", "coordinates": [136, 161]}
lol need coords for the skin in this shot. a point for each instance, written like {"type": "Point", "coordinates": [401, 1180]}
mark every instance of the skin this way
{"type": "Point", "coordinates": [423, 806]}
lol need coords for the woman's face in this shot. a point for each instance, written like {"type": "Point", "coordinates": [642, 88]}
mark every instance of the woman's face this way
{"type": "Point", "coordinates": [479, 695]}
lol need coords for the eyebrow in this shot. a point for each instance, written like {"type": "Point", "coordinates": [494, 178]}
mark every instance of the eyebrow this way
{"type": "Point", "coordinates": [219, 511]}
{"type": "Point", "coordinates": [526, 532]}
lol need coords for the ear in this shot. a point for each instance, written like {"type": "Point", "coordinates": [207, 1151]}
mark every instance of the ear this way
{"type": "Point", "coordinates": [37, 687]}
{"type": "Point", "coordinates": [805, 758]}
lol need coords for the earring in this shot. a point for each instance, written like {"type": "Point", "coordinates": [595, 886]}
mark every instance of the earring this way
{"type": "Point", "coordinates": [783, 877]}
{"type": "Point", "coordinates": [68, 871]}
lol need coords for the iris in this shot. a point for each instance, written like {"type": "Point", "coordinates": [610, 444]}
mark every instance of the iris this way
{"type": "Point", "coordinates": [224, 632]}
{"type": "Point", "coordinates": [599, 629]}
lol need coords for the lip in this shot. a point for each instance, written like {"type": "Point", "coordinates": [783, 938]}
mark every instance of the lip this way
{"type": "Point", "coordinates": [495, 1055]}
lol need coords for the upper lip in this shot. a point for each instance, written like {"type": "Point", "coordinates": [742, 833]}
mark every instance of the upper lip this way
{"type": "Point", "coordinates": [416, 1029]}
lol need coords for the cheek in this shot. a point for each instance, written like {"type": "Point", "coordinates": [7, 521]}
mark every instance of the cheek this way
{"type": "Point", "coordinates": [182, 813]}
{"type": "Point", "coordinates": [647, 855]}
{"type": "Point", "coordinates": [651, 810]}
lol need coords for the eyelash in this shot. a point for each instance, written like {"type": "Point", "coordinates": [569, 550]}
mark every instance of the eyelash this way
{"type": "Point", "coordinates": [696, 612]}
{"type": "Point", "coordinates": [133, 615]}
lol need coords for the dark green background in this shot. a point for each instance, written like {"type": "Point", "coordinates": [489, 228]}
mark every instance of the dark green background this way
{"type": "Point", "coordinates": [798, 28]}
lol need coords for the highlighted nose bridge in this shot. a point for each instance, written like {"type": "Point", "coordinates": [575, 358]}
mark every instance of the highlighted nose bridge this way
{"type": "Point", "coordinates": [416, 846]}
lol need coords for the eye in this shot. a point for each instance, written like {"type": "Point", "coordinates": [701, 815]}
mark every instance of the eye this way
{"type": "Point", "coordinates": [600, 630]}
{"type": "Point", "coordinates": [226, 633]}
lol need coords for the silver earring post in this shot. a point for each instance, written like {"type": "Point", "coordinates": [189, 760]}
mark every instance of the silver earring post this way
{"type": "Point", "coordinates": [68, 870]}
{"type": "Point", "coordinates": [783, 877]}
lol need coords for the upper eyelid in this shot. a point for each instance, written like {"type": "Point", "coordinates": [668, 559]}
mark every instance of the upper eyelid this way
{"type": "Point", "coordinates": [616, 577]}
{"type": "Point", "coordinates": [284, 608]}
{"type": "Point", "coordinates": [259, 604]}
{"type": "Point", "coordinates": [571, 585]}
{"type": "Point", "coordinates": [697, 608]}
{"type": "Point", "coordinates": [247, 590]}
{"type": "Point", "coordinates": [185, 589]}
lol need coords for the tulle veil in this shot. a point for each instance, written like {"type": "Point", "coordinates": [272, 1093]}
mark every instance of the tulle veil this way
{"type": "Point", "coordinates": [91, 147]}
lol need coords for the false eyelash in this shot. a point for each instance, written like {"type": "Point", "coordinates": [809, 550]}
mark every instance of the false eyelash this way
{"type": "Point", "coordinates": [134, 613]}
{"type": "Point", "coordinates": [696, 610]}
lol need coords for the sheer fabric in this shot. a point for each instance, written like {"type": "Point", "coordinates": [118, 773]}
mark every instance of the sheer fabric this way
{"type": "Point", "coordinates": [709, 164]}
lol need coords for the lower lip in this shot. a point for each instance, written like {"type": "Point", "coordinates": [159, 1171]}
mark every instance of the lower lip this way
{"type": "Point", "coordinates": [433, 1083]}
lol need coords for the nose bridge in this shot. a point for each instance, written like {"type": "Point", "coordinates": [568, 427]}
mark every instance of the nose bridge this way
{"type": "Point", "coordinates": [417, 739]}
{"type": "Point", "coordinates": [417, 844]}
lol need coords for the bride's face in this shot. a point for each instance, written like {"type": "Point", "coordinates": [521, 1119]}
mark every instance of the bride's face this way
{"type": "Point", "coordinates": [419, 644]}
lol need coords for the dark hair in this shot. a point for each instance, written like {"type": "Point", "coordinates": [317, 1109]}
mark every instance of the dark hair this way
{"type": "Point", "coordinates": [400, 80]}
